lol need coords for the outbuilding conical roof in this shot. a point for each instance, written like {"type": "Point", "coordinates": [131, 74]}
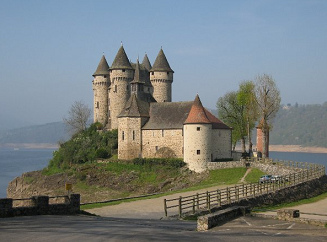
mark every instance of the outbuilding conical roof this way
{"type": "Point", "coordinates": [137, 74]}
{"type": "Point", "coordinates": [121, 60]}
{"type": "Point", "coordinates": [161, 63]}
{"type": "Point", "coordinates": [146, 63]}
{"type": "Point", "coordinates": [199, 115]}
{"type": "Point", "coordinates": [103, 67]}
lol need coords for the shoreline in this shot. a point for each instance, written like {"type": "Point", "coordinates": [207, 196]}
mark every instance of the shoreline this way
{"type": "Point", "coordinates": [277, 148]}
{"type": "Point", "coordinates": [297, 148]}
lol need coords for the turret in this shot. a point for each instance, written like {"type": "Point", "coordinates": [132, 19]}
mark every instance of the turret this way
{"type": "Point", "coordinates": [197, 137]}
{"type": "Point", "coordinates": [121, 74]}
{"type": "Point", "coordinates": [161, 77]}
{"type": "Point", "coordinates": [100, 84]}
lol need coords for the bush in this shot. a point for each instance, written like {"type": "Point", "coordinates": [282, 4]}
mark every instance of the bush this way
{"type": "Point", "coordinates": [83, 147]}
{"type": "Point", "coordinates": [169, 162]}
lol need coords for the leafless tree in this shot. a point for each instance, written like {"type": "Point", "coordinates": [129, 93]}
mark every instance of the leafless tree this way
{"type": "Point", "coordinates": [78, 117]}
{"type": "Point", "coordinates": [268, 99]}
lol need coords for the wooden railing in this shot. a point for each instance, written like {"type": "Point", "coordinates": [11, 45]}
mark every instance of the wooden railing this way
{"type": "Point", "coordinates": [229, 195]}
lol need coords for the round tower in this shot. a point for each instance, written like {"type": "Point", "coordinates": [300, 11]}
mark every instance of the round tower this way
{"type": "Point", "coordinates": [121, 74]}
{"type": "Point", "coordinates": [161, 77]}
{"type": "Point", "coordinates": [197, 138]}
{"type": "Point", "coordinates": [100, 86]}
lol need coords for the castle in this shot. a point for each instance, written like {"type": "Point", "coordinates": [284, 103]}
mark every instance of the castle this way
{"type": "Point", "coordinates": [136, 99]}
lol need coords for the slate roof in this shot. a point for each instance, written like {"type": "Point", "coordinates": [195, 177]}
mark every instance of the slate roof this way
{"type": "Point", "coordinates": [103, 67]}
{"type": "Point", "coordinates": [135, 108]}
{"type": "Point", "coordinates": [137, 74]}
{"type": "Point", "coordinates": [168, 115]}
{"type": "Point", "coordinates": [143, 74]}
{"type": "Point", "coordinates": [146, 63]}
{"type": "Point", "coordinates": [199, 115]}
{"type": "Point", "coordinates": [121, 60]}
{"type": "Point", "coordinates": [161, 63]}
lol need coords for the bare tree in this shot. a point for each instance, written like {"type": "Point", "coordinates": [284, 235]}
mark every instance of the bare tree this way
{"type": "Point", "coordinates": [78, 117]}
{"type": "Point", "coordinates": [268, 100]}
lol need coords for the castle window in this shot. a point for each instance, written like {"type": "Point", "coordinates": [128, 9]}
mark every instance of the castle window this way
{"type": "Point", "coordinates": [152, 73]}
{"type": "Point", "coordinates": [163, 133]}
{"type": "Point", "coordinates": [167, 73]}
{"type": "Point", "coordinates": [104, 76]}
{"type": "Point", "coordinates": [115, 88]}
{"type": "Point", "coordinates": [123, 70]}
{"type": "Point", "coordinates": [198, 152]}
{"type": "Point", "coordinates": [127, 88]}
{"type": "Point", "coordinates": [123, 135]}
{"type": "Point", "coordinates": [97, 105]}
{"type": "Point", "coordinates": [198, 128]}
{"type": "Point", "coordinates": [133, 135]}
{"type": "Point", "coordinates": [157, 148]}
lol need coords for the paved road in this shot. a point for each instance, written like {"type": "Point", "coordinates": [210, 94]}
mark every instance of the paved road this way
{"type": "Point", "coordinates": [86, 228]}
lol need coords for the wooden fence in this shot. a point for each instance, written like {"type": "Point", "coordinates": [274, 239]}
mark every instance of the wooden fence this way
{"type": "Point", "coordinates": [305, 171]}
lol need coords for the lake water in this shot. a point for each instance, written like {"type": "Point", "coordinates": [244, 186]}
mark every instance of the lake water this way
{"type": "Point", "coordinates": [15, 162]}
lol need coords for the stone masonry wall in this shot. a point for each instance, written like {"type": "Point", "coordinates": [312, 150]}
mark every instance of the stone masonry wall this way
{"type": "Point", "coordinates": [161, 82]}
{"type": "Point", "coordinates": [155, 140]}
{"type": "Point", "coordinates": [197, 146]}
{"type": "Point", "coordinates": [100, 105]}
{"type": "Point", "coordinates": [119, 93]}
{"type": "Point", "coordinates": [129, 138]}
{"type": "Point", "coordinates": [221, 143]}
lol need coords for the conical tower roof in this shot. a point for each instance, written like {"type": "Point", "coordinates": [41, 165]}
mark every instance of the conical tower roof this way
{"type": "Point", "coordinates": [161, 63]}
{"type": "Point", "coordinates": [199, 115]}
{"type": "Point", "coordinates": [121, 61]}
{"type": "Point", "coordinates": [103, 67]}
{"type": "Point", "coordinates": [146, 63]}
{"type": "Point", "coordinates": [137, 74]}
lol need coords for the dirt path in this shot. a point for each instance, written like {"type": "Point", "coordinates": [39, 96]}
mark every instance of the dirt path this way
{"type": "Point", "coordinates": [147, 209]}
{"type": "Point", "coordinates": [246, 173]}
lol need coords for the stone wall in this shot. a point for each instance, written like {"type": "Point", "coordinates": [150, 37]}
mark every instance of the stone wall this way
{"type": "Point", "coordinates": [221, 143]}
{"type": "Point", "coordinates": [119, 93]}
{"type": "Point", "coordinates": [100, 105]}
{"type": "Point", "coordinates": [161, 82]}
{"type": "Point", "coordinates": [40, 206]}
{"type": "Point", "coordinates": [155, 140]}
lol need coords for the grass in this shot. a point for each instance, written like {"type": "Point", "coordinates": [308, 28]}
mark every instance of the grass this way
{"type": "Point", "coordinates": [254, 175]}
{"type": "Point", "coordinates": [297, 203]}
{"type": "Point", "coordinates": [226, 176]}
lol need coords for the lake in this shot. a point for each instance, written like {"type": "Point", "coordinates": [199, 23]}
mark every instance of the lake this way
{"type": "Point", "coordinates": [15, 162]}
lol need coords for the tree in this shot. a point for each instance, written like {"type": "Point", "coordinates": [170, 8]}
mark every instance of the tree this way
{"type": "Point", "coordinates": [78, 117]}
{"type": "Point", "coordinates": [232, 113]}
{"type": "Point", "coordinates": [268, 99]}
{"type": "Point", "coordinates": [246, 98]}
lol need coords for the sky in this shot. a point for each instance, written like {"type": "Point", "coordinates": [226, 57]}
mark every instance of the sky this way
{"type": "Point", "coordinates": [50, 49]}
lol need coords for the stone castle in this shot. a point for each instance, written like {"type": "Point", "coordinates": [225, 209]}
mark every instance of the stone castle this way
{"type": "Point", "coordinates": [136, 99]}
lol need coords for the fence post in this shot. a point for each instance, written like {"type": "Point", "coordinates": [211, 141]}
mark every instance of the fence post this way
{"type": "Point", "coordinates": [197, 199]}
{"type": "Point", "coordinates": [193, 205]}
{"type": "Point", "coordinates": [165, 207]}
{"type": "Point", "coordinates": [219, 198]}
{"type": "Point", "coordinates": [180, 206]}
{"type": "Point", "coordinates": [246, 191]}
{"type": "Point", "coordinates": [207, 199]}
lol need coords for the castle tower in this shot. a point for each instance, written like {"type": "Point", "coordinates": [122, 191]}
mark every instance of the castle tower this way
{"type": "Point", "coordinates": [148, 88]}
{"type": "Point", "coordinates": [137, 85]}
{"type": "Point", "coordinates": [134, 115]}
{"type": "Point", "coordinates": [161, 77]}
{"type": "Point", "coordinates": [197, 137]}
{"type": "Point", "coordinates": [121, 74]}
{"type": "Point", "coordinates": [100, 84]}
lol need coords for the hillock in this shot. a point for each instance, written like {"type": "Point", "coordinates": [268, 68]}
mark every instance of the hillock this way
{"type": "Point", "coordinates": [304, 125]}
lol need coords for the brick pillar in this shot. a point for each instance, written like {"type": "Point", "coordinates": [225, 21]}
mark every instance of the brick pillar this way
{"type": "Point", "coordinates": [6, 209]}
{"type": "Point", "coordinates": [41, 203]}
{"type": "Point", "coordinates": [75, 202]}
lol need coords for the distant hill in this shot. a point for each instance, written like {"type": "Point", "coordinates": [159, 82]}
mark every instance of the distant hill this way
{"type": "Point", "coordinates": [304, 125]}
{"type": "Point", "coordinates": [46, 133]}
